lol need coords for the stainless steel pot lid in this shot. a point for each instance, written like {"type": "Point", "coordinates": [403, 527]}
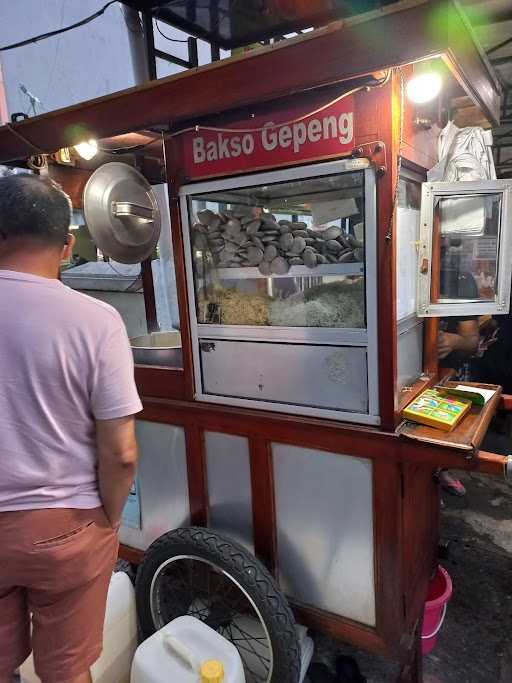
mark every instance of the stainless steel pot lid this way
{"type": "Point", "coordinates": [121, 212]}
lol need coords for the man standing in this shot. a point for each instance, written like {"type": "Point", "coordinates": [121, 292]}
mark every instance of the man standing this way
{"type": "Point", "coordinates": [67, 445]}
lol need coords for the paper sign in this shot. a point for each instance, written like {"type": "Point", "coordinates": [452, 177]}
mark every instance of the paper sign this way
{"type": "Point", "coordinates": [486, 248]}
{"type": "Point", "coordinates": [486, 394]}
{"type": "Point", "coordinates": [324, 212]}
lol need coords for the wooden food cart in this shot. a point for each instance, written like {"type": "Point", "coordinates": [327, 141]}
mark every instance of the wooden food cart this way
{"type": "Point", "coordinates": [282, 429]}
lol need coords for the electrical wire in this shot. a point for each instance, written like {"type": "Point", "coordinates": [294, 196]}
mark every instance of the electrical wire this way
{"type": "Point", "coordinates": [57, 32]}
{"type": "Point", "coordinates": [136, 281]}
{"type": "Point", "coordinates": [56, 53]}
{"type": "Point", "coordinates": [394, 204]}
{"type": "Point", "coordinates": [499, 46]}
{"type": "Point", "coordinates": [173, 40]}
{"type": "Point", "coordinates": [133, 148]}
{"type": "Point", "coordinates": [260, 129]}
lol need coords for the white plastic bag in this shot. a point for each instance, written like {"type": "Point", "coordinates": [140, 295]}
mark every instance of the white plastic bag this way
{"type": "Point", "coordinates": [464, 154]}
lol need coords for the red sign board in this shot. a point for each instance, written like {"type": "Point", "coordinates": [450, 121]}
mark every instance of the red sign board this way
{"type": "Point", "coordinates": [273, 140]}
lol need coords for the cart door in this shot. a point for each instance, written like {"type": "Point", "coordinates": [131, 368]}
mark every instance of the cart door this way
{"type": "Point", "coordinates": [465, 258]}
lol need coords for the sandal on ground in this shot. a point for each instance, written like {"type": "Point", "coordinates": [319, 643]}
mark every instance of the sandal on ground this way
{"type": "Point", "coordinates": [450, 484]}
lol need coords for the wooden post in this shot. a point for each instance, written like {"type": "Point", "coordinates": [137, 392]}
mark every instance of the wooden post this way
{"type": "Point", "coordinates": [149, 295]}
{"type": "Point", "coordinates": [432, 324]}
{"type": "Point", "coordinates": [412, 671]}
{"type": "Point", "coordinates": [263, 503]}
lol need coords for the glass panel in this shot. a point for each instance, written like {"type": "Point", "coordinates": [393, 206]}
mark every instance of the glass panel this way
{"type": "Point", "coordinates": [118, 284]}
{"type": "Point", "coordinates": [466, 248]}
{"type": "Point", "coordinates": [325, 530]}
{"type": "Point", "coordinates": [164, 275]}
{"type": "Point", "coordinates": [409, 352]}
{"type": "Point", "coordinates": [229, 486]}
{"type": "Point", "coordinates": [289, 254]}
{"type": "Point", "coordinates": [162, 483]}
{"type": "Point", "coordinates": [91, 273]}
{"type": "Point", "coordinates": [84, 249]}
{"type": "Point", "coordinates": [408, 232]}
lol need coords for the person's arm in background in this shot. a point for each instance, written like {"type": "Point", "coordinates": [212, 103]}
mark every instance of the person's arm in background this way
{"type": "Point", "coordinates": [117, 461]}
{"type": "Point", "coordinates": [465, 341]}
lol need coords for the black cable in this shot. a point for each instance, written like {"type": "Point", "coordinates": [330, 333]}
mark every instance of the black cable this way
{"type": "Point", "coordinates": [133, 148]}
{"type": "Point", "coordinates": [50, 34]}
{"type": "Point", "coordinates": [173, 40]}
{"type": "Point", "coordinates": [499, 46]}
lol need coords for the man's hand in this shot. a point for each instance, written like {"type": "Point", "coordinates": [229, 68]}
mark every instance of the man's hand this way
{"type": "Point", "coordinates": [465, 341]}
{"type": "Point", "coordinates": [446, 343]}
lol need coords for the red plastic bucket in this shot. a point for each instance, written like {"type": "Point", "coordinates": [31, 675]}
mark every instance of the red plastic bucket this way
{"type": "Point", "coordinates": [439, 594]}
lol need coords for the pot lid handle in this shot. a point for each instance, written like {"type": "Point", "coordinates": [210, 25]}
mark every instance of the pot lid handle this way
{"type": "Point", "coordinates": [144, 213]}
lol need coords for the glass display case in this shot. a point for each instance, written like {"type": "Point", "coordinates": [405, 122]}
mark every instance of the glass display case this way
{"type": "Point", "coordinates": [281, 277]}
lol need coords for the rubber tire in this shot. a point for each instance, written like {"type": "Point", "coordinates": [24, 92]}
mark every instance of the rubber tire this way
{"type": "Point", "coordinates": [246, 570]}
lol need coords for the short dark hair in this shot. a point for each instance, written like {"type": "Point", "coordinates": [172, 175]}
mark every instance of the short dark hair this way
{"type": "Point", "coordinates": [33, 208]}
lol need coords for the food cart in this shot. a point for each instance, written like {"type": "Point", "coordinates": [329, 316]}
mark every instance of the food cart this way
{"type": "Point", "coordinates": [294, 178]}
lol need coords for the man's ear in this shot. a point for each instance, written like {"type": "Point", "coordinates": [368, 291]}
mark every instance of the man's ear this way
{"type": "Point", "coordinates": [67, 250]}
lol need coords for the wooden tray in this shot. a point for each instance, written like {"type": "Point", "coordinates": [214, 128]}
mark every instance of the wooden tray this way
{"type": "Point", "coordinates": [468, 434]}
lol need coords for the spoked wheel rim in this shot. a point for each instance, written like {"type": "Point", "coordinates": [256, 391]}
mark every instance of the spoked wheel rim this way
{"type": "Point", "coordinates": [193, 586]}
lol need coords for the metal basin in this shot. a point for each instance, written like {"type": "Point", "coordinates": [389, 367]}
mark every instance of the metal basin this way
{"type": "Point", "coordinates": [158, 348]}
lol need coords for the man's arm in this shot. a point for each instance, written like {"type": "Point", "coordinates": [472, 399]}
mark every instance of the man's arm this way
{"type": "Point", "coordinates": [465, 341]}
{"type": "Point", "coordinates": [117, 460]}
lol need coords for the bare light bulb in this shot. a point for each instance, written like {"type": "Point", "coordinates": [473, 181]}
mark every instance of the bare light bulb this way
{"type": "Point", "coordinates": [88, 149]}
{"type": "Point", "coordinates": [424, 87]}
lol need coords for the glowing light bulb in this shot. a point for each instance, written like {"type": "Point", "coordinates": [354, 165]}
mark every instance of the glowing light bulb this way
{"type": "Point", "coordinates": [424, 87]}
{"type": "Point", "coordinates": [88, 149]}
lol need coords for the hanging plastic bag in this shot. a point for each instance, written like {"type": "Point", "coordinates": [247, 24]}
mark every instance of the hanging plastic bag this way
{"type": "Point", "coordinates": [464, 154]}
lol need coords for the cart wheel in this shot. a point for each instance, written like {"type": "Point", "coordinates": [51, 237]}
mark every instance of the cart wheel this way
{"type": "Point", "coordinates": [196, 572]}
